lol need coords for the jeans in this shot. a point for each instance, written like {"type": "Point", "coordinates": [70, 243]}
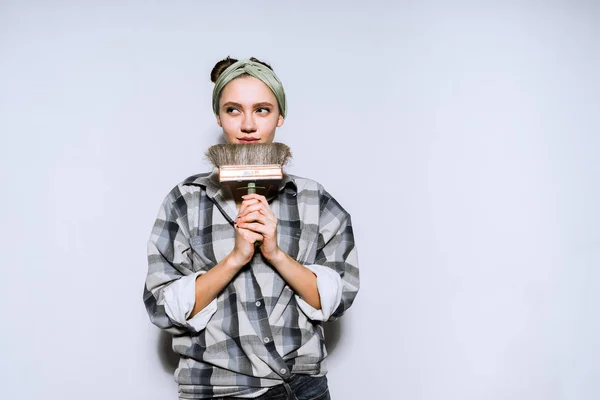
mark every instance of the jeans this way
{"type": "Point", "coordinates": [301, 387]}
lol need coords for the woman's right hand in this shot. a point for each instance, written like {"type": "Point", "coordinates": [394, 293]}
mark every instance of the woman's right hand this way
{"type": "Point", "coordinates": [244, 245]}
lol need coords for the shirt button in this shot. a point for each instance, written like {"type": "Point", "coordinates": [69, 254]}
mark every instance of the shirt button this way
{"type": "Point", "coordinates": [283, 371]}
{"type": "Point", "coordinates": [267, 340]}
{"type": "Point", "coordinates": [257, 304]}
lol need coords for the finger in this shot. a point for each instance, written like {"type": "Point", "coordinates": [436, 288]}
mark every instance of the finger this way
{"type": "Point", "coordinates": [255, 216]}
{"type": "Point", "coordinates": [250, 209]}
{"type": "Point", "coordinates": [245, 204]}
{"type": "Point", "coordinates": [253, 196]}
{"type": "Point", "coordinates": [249, 235]}
{"type": "Point", "coordinates": [258, 216]}
{"type": "Point", "coordinates": [263, 201]}
{"type": "Point", "coordinates": [258, 209]}
{"type": "Point", "coordinates": [258, 197]}
{"type": "Point", "coordinates": [258, 228]}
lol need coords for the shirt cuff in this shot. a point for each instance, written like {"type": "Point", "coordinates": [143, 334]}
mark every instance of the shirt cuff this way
{"type": "Point", "coordinates": [329, 285]}
{"type": "Point", "coordinates": [180, 298]}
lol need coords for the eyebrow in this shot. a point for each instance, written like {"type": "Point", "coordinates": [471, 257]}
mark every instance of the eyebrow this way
{"type": "Point", "coordinates": [263, 104]}
{"type": "Point", "coordinates": [238, 105]}
{"type": "Point", "coordinates": [232, 104]}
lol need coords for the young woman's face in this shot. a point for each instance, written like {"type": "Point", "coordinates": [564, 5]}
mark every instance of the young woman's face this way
{"type": "Point", "coordinates": [248, 111]}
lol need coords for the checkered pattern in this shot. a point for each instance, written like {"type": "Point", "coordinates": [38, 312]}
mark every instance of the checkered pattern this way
{"type": "Point", "coordinates": [259, 336]}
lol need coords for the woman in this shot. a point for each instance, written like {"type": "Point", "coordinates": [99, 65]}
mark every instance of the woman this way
{"type": "Point", "coordinates": [247, 319]}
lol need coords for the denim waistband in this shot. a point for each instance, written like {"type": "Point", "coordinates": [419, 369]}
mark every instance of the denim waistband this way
{"type": "Point", "coordinates": [288, 389]}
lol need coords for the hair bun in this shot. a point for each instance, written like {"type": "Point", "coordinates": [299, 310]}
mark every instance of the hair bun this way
{"type": "Point", "coordinates": [226, 63]}
{"type": "Point", "coordinates": [220, 67]}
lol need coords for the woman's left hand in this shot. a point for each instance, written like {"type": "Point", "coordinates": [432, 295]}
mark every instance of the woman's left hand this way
{"type": "Point", "coordinates": [256, 215]}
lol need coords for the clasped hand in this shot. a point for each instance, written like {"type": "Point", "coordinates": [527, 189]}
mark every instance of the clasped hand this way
{"type": "Point", "coordinates": [255, 223]}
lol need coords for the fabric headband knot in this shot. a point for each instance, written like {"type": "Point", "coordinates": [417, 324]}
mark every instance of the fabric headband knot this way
{"type": "Point", "coordinates": [257, 70]}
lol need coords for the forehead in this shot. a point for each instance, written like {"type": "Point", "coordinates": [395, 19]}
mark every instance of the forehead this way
{"type": "Point", "coordinates": [247, 89]}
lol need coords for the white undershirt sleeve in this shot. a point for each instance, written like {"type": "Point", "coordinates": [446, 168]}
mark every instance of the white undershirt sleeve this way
{"type": "Point", "coordinates": [329, 285]}
{"type": "Point", "coordinates": [180, 298]}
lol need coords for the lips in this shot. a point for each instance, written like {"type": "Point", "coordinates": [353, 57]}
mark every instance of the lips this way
{"type": "Point", "coordinates": [248, 140]}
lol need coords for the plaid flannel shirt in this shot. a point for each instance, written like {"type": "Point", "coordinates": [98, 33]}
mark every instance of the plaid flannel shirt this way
{"type": "Point", "coordinates": [257, 332]}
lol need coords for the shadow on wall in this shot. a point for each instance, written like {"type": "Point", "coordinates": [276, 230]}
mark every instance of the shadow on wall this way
{"type": "Point", "coordinates": [169, 359]}
{"type": "Point", "coordinates": [333, 332]}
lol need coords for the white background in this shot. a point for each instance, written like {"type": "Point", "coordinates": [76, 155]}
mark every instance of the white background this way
{"type": "Point", "coordinates": [462, 137]}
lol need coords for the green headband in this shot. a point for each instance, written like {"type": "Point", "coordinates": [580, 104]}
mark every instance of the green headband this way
{"type": "Point", "coordinates": [256, 70]}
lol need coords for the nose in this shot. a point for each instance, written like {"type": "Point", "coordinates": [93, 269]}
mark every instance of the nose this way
{"type": "Point", "coordinates": [248, 124]}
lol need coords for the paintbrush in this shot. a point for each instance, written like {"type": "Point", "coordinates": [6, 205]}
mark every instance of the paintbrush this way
{"type": "Point", "coordinates": [249, 163]}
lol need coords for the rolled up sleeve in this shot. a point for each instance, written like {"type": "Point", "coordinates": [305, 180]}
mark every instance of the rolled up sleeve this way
{"type": "Point", "coordinates": [336, 263]}
{"type": "Point", "coordinates": [170, 287]}
{"type": "Point", "coordinates": [180, 298]}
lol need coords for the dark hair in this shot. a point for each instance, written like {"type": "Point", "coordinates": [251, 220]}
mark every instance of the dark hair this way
{"type": "Point", "coordinates": [227, 62]}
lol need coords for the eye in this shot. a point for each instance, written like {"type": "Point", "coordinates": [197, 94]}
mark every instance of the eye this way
{"type": "Point", "coordinates": [232, 110]}
{"type": "Point", "coordinates": [263, 110]}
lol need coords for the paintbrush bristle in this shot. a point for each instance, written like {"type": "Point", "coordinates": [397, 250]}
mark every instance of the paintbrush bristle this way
{"type": "Point", "coordinates": [249, 154]}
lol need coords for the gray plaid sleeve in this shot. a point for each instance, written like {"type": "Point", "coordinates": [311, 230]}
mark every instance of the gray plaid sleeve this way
{"type": "Point", "coordinates": [337, 250]}
{"type": "Point", "coordinates": [168, 260]}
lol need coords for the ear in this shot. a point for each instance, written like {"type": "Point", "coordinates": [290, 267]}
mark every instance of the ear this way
{"type": "Point", "coordinates": [219, 121]}
{"type": "Point", "coordinates": [280, 120]}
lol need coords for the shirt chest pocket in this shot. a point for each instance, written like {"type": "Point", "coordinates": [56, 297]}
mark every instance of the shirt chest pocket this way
{"type": "Point", "coordinates": [300, 244]}
{"type": "Point", "coordinates": [208, 249]}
